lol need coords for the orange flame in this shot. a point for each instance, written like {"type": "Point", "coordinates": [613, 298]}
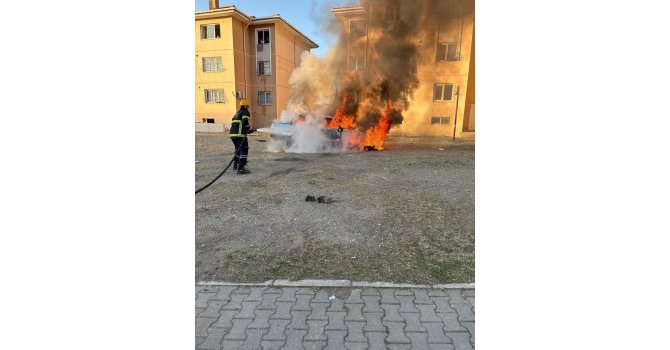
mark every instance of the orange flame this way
{"type": "Point", "coordinates": [375, 136]}
{"type": "Point", "coordinates": [341, 119]}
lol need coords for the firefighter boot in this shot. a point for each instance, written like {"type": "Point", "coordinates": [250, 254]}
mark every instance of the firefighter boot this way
{"type": "Point", "coordinates": [242, 170]}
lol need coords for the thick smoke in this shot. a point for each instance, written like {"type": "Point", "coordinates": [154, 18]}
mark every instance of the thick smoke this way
{"type": "Point", "coordinates": [373, 62]}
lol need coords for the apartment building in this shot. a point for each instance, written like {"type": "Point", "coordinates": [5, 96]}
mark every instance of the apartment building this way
{"type": "Point", "coordinates": [443, 103]}
{"type": "Point", "coordinates": [239, 56]}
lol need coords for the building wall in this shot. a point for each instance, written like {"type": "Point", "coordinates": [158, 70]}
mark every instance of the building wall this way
{"type": "Point", "coordinates": [262, 115]}
{"type": "Point", "coordinates": [287, 57]}
{"type": "Point", "coordinates": [223, 47]}
{"type": "Point", "coordinates": [460, 73]}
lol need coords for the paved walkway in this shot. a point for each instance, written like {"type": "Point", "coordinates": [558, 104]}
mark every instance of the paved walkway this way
{"type": "Point", "coordinates": [267, 317]}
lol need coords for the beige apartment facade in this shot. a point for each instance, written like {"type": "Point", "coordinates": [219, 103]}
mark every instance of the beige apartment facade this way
{"type": "Point", "coordinates": [239, 56]}
{"type": "Point", "coordinates": [443, 103]}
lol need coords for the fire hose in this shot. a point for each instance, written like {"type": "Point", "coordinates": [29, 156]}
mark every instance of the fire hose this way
{"type": "Point", "coordinates": [237, 153]}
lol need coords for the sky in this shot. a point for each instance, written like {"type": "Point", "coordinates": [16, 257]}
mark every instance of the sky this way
{"type": "Point", "coordinates": [307, 16]}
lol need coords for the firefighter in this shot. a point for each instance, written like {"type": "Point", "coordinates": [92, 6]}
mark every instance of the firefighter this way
{"type": "Point", "coordinates": [239, 128]}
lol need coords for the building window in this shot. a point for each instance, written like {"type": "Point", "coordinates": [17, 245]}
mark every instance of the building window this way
{"type": "Point", "coordinates": [212, 64]}
{"type": "Point", "coordinates": [357, 28]}
{"type": "Point", "coordinates": [389, 16]}
{"type": "Point", "coordinates": [264, 98]}
{"type": "Point", "coordinates": [356, 62]}
{"type": "Point", "coordinates": [208, 120]}
{"type": "Point", "coordinates": [439, 120]}
{"type": "Point", "coordinates": [210, 31]}
{"type": "Point", "coordinates": [263, 36]}
{"type": "Point", "coordinates": [442, 92]}
{"type": "Point", "coordinates": [264, 68]}
{"type": "Point", "coordinates": [214, 96]}
{"type": "Point", "coordinates": [446, 52]}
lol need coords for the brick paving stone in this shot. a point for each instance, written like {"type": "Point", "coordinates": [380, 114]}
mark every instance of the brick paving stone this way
{"type": "Point", "coordinates": [464, 312]}
{"type": "Point", "coordinates": [471, 300]}
{"type": "Point", "coordinates": [277, 330]}
{"type": "Point", "coordinates": [374, 322]}
{"type": "Point", "coordinates": [418, 340]}
{"type": "Point", "coordinates": [298, 320]}
{"type": "Point", "coordinates": [355, 332]}
{"type": "Point", "coordinates": [388, 297]}
{"type": "Point", "coordinates": [238, 332]}
{"type": "Point", "coordinates": [436, 293]}
{"type": "Point", "coordinates": [235, 302]}
{"type": "Point", "coordinates": [370, 291]}
{"type": "Point", "coordinates": [314, 345]}
{"type": "Point", "coordinates": [272, 290]}
{"type": "Point", "coordinates": [442, 346]}
{"type": "Point", "coordinates": [402, 292]}
{"type": "Point", "coordinates": [201, 325]}
{"type": "Point", "coordinates": [335, 340]}
{"type": "Point", "coordinates": [294, 339]}
{"type": "Point", "coordinates": [198, 289]}
{"type": "Point", "coordinates": [256, 294]}
{"type": "Point", "coordinates": [442, 304]}
{"type": "Point", "coordinates": [242, 290]}
{"type": "Point", "coordinates": [356, 346]}
{"type": "Point", "coordinates": [399, 346]}
{"type": "Point", "coordinates": [436, 333]}
{"type": "Point", "coordinates": [468, 293]}
{"type": "Point", "coordinates": [407, 303]}
{"type": "Point", "coordinates": [372, 303]}
{"type": "Point", "coordinates": [336, 321]}
{"type": "Point", "coordinates": [226, 319]}
{"type": "Point", "coordinates": [213, 341]}
{"type": "Point", "coordinates": [288, 294]}
{"type": "Point", "coordinates": [391, 313]}
{"type": "Point", "coordinates": [318, 311]}
{"type": "Point", "coordinates": [354, 297]}
{"type": "Point", "coordinates": [421, 296]}
{"type": "Point", "coordinates": [451, 323]}
{"type": "Point", "coordinates": [198, 310]}
{"type": "Point", "coordinates": [336, 305]}
{"type": "Point", "coordinates": [428, 313]}
{"type": "Point", "coordinates": [232, 344]}
{"type": "Point", "coordinates": [262, 319]}
{"type": "Point", "coordinates": [203, 298]}
{"type": "Point", "coordinates": [224, 293]}
{"type": "Point", "coordinates": [253, 341]}
{"type": "Point", "coordinates": [412, 322]}
{"type": "Point", "coordinates": [269, 302]}
{"type": "Point", "coordinates": [355, 312]}
{"type": "Point", "coordinates": [198, 341]}
{"type": "Point", "coordinates": [213, 309]}
{"type": "Point", "coordinates": [305, 291]}
{"type": "Point", "coordinates": [272, 344]}
{"type": "Point", "coordinates": [321, 297]}
{"type": "Point", "coordinates": [470, 326]}
{"type": "Point", "coordinates": [303, 303]}
{"type": "Point", "coordinates": [461, 340]}
{"type": "Point", "coordinates": [248, 308]}
{"type": "Point", "coordinates": [316, 330]}
{"type": "Point", "coordinates": [376, 340]}
{"type": "Point", "coordinates": [396, 332]}
{"type": "Point", "coordinates": [283, 311]}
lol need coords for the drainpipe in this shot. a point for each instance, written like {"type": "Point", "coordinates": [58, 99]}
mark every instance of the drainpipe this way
{"type": "Point", "coordinates": [244, 58]}
{"type": "Point", "coordinates": [458, 90]}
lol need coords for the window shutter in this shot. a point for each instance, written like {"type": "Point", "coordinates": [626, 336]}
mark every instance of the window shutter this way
{"type": "Point", "coordinates": [211, 32]}
{"type": "Point", "coordinates": [451, 53]}
{"type": "Point", "coordinates": [448, 89]}
{"type": "Point", "coordinates": [441, 52]}
{"type": "Point", "coordinates": [437, 92]}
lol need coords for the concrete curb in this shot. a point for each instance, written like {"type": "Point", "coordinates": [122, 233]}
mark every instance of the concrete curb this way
{"type": "Point", "coordinates": [339, 283]}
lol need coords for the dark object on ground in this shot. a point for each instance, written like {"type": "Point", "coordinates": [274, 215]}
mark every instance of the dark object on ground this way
{"type": "Point", "coordinates": [370, 148]}
{"type": "Point", "coordinates": [310, 199]}
{"type": "Point", "coordinates": [243, 171]}
{"type": "Point", "coordinates": [324, 199]}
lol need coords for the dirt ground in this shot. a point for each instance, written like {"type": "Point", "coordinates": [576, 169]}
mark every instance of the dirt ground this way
{"type": "Point", "coordinates": [404, 214]}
